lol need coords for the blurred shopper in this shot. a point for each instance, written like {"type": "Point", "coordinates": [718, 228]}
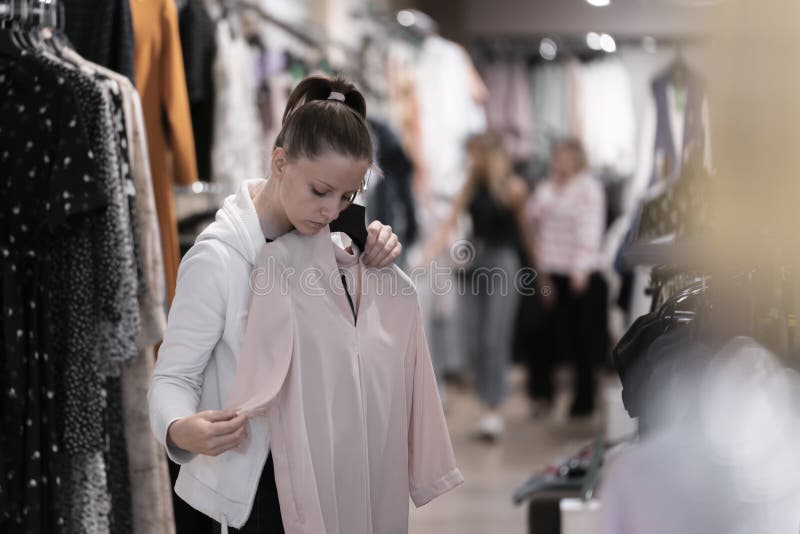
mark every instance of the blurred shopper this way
{"type": "Point", "coordinates": [495, 200]}
{"type": "Point", "coordinates": [567, 212]}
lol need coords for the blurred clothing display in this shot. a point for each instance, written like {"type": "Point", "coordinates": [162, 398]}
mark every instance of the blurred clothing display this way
{"type": "Point", "coordinates": [198, 45]}
{"type": "Point", "coordinates": [161, 81]}
{"type": "Point", "coordinates": [551, 94]}
{"type": "Point", "coordinates": [448, 114]}
{"type": "Point", "coordinates": [608, 125]}
{"type": "Point", "coordinates": [390, 198]}
{"type": "Point", "coordinates": [236, 154]}
{"type": "Point", "coordinates": [509, 107]}
{"type": "Point", "coordinates": [102, 32]}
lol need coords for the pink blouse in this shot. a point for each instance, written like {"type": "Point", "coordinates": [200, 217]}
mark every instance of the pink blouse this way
{"type": "Point", "coordinates": [354, 416]}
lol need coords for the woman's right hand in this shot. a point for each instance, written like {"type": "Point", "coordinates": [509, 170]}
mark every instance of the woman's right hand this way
{"type": "Point", "coordinates": [210, 433]}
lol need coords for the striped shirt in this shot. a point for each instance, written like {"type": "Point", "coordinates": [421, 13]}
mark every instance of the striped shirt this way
{"type": "Point", "coordinates": [569, 223]}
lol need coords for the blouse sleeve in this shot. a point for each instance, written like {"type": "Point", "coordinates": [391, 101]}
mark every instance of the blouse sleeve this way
{"type": "Point", "coordinates": [431, 463]}
{"type": "Point", "coordinates": [268, 340]}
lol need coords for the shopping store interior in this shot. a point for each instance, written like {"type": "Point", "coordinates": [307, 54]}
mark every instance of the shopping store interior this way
{"type": "Point", "coordinates": [596, 208]}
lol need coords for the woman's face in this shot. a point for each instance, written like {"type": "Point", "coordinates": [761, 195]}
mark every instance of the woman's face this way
{"type": "Point", "coordinates": [564, 164]}
{"type": "Point", "coordinates": [314, 191]}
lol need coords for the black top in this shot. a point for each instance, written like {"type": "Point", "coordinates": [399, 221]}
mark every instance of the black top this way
{"type": "Point", "coordinates": [102, 32]}
{"type": "Point", "coordinates": [492, 222]}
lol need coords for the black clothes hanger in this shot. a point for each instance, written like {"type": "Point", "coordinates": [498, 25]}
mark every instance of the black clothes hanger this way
{"type": "Point", "coordinates": [353, 222]}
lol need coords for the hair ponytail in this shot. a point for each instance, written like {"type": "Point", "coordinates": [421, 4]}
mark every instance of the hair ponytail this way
{"type": "Point", "coordinates": [313, 122]}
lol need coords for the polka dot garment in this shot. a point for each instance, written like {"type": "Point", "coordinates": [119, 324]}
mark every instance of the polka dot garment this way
{"type": "Point", "coordinates": [107, 300]}
{"type": "Point", "coordinates": [49, 176]}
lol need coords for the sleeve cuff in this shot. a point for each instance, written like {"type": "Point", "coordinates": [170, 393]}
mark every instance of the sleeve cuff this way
{"type": "Point", "coordinates": [179, 456]}
{"type": "Point", "coordinates": [160, 422]}
{"type": "Point", "coordinates": [425, 494]}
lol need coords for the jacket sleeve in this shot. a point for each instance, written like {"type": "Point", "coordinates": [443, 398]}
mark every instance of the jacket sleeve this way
{"type": "Point", "coordinates": [195, 325]}
{"type": "Point", "coordinates": [268, 340]}
{"type": "Point", "coordinates": [431, 463]}
{"type": "Point", "coordinates": [175, 98]}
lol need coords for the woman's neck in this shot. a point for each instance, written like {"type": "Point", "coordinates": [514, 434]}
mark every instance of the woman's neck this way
{"type": "Point", "coordinates": [271, 215]}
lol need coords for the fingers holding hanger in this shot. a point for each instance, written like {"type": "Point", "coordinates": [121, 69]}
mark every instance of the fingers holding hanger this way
{"type": "Point", "coordinates": [383, 246]}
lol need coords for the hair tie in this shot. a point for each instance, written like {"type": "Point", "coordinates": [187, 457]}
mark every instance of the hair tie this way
{"type": "Point", "coordinates": [335, 95]}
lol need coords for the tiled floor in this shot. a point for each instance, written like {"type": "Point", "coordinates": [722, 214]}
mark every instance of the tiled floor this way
{"type": "Point", "coordinates": [482, 505]}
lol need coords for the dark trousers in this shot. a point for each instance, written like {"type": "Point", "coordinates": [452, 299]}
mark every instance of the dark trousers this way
{"type": "Point", "coordinates": [265, 518]}
{"type": "Point", "coordinates": [575, 329]}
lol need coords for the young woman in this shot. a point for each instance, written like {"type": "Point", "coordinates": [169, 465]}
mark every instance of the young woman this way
{"type": "Point", "coordinates": [494, 198]}
{"type": "Point", "coordinates": [320, 159]}
{"type": "Point", "coordinates": [568, 213]}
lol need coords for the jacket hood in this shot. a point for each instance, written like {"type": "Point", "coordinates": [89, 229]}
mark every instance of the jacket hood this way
{"type": "Point", "coordinates": [236, 224]}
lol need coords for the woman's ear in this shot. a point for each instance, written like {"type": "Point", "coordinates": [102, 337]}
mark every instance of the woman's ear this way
{"type": "Point", "coordinates": [278, 163]}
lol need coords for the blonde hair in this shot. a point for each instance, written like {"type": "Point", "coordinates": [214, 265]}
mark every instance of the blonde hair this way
{"type": "Point", "coordinates": [496, 168]}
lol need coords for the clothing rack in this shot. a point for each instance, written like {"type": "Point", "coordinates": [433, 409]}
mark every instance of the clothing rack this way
{"type": "Point", "coordinates": [417, 24]}
{"type": "Point", "coordinates": [54, 10]}
{"type": "Point", "coordinates": [319, 42]}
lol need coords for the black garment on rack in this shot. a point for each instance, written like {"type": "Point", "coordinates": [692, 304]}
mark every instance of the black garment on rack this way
{"type": "Point", "coordinates": [390, 199]}
{"type": "Point", "coordinates": [199, 46]}
{"type": "Point", "coordinates": [102, 32]}
{"type": "Point", "coordinates": [50, 180]}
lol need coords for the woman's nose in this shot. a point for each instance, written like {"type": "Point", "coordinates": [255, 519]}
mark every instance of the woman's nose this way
{"type": "Point", "coordinates": [330, 210]}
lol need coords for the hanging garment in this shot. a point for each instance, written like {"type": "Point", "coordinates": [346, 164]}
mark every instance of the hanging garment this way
{"type": "Point", "coordinates": [50, 178]}
{"type": "Point", "coordinates": [198, 43]}
{"type": "Point", "coordinates": [509, 110]}
{"type": "Point", "coordinates": [102, 32]}
{"type": "Point", "coordinates": [606, 107]}
{"type": "Point", "coordinates": [149, 486]}
{"type": "Point", "coordinates": [237, 148]}
{"type": "Point", "coordinates": [448, 113]}
{"type": "Point", "coordinates": [151, 294]}
{"type": "Point", "coordinates": [679, 123]}
{"type": "Point", "coordinates": [161, 83]}
{"type": "Point", "coordinates": [97, 270]}
{"type": "Point", "coordinates": [549, 95]}
{"type": "Point", "coordinates": [390, 199]}
{"type": "Point", "coordinates": [377, 431]}
{"type": "Point", "coordinates": [203, 344]}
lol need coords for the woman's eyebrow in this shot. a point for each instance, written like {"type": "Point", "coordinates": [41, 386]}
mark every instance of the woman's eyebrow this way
{"type": "Point", "coordinates": [323, 182]}
{"type": "Point", "coordinates": [329, 186]}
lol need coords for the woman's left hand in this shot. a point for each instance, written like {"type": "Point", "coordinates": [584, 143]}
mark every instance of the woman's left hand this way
{"type": "Point", "coordinates": [382, 247]}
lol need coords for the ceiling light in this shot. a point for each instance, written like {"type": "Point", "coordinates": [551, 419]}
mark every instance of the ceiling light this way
{"type": "Point", "coordinates": [607, 43]}
{"type": "Point", "coordinates": [598, 3]}
{"type": "Point", "coordinates": [548, 49]}
{"type": "Point", "coordinates": [405, 18]}
{"type": "Point", "coordinates": [593, 41]}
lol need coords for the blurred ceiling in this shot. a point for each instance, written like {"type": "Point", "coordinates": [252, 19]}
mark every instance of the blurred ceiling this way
{"type": "Point", "coordinates": [463, 20]}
